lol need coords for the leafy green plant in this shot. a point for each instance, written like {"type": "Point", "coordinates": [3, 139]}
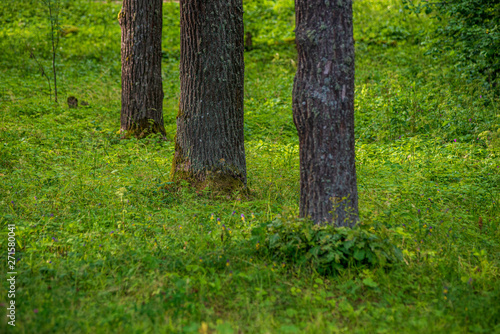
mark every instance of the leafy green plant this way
{"type": "Point", "coordinates": [326, 248]}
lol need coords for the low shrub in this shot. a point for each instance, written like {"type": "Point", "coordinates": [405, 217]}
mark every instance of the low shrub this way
{"type": "Point", "coordinates": [325, 247]}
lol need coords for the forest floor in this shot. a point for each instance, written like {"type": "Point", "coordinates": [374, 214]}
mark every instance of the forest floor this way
{"type": "Point", "coordinates": [106, 244]}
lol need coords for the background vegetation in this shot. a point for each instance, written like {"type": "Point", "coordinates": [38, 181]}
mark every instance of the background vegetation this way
{"type": "Point", "coordinates": [106, 244]}
{"type": "Point", "coordinates": [468, 31]}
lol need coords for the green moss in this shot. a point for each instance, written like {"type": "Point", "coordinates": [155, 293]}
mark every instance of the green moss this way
{"type": "Point", "coordinates": [218, 181]}
{"type": "Point", "coordinates": [224, 183]}
{"type": "Point", "coordinates": [143, 129]}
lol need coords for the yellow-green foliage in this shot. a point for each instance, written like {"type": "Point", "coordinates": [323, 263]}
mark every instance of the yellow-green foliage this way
{"type": "Point", "coordinates": [68, 30]}
{"type": "Point", "coordinates": [106, 243]}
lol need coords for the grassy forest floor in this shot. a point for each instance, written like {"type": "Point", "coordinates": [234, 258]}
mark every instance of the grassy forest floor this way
{"type": "Point", "coordinates": [105, 244]}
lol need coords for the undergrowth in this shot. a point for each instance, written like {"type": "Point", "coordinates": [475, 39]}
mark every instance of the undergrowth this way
{"type": "Point", "coordinates": [106, 244]}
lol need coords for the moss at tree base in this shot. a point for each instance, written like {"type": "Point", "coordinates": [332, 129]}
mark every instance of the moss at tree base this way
{"type": "Point", "coordinates": [217, 182]}
{"type": "Point", "coordinates": [143, 129]}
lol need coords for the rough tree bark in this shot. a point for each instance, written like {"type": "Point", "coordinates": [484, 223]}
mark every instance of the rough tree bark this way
{"type": "Point", "coordinates": [323, 110]}
{"type": "Point", "coordinates": [209, 147]}
{"type": "Point", "coordinates": [142, 91]}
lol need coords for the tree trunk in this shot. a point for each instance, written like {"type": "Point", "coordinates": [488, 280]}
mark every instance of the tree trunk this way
{"type": "Point", "coordinates": [142, 91]}
{"type": "Point", "coordinates": [209, 145]}
{"type": "Point", "coordinates": [323, 111]}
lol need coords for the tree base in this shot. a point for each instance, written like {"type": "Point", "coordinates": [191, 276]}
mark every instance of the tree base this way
{"type": "Point", "coordinates": [215, 182]}
{"type": "Point", "coordinates": [142, 129]}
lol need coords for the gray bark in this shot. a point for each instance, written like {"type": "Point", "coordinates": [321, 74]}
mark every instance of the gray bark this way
{"type": "Point", "coordinates": [209, 143]}
{"type": "Point", "coordinates": [142, 91]}
{"type": "Point", "coordinates": [323, 110]}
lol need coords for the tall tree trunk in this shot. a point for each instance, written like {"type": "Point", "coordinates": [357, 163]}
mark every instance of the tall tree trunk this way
{"type": "Point", "coordinates": [323, 111]}
{"type": "Point", "coordinates": [142, 91]}
{"type": "Point", "coordinates": [209, 145]}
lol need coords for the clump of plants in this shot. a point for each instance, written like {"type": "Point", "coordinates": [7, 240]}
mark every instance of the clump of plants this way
{"type": "Point", "coordinates": [325, 247]}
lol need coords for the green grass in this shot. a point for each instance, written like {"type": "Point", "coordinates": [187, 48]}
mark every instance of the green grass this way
{"type": "Point", "coordinates": [105, 244]}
